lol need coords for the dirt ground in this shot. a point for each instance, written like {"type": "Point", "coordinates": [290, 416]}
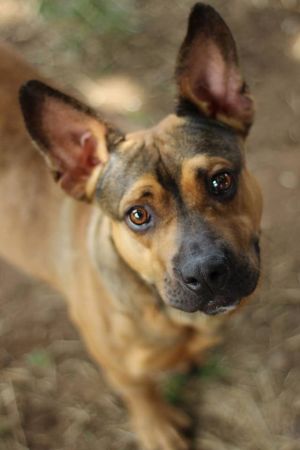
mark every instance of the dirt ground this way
{"type": "Point", "coordinates": [52, 396]}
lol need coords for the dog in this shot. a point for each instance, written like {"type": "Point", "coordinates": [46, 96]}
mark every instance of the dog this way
{"type": "Point", "coordinates": [152, 236]}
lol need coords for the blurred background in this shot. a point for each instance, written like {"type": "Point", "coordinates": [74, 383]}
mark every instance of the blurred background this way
{"type": "Point", "coordinates": [119, 56]}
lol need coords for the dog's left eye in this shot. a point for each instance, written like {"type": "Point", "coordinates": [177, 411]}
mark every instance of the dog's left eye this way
{"type": "Point", "coordinates": [139, 218]}
{"type": "Point", "coordinates": [222, 185]}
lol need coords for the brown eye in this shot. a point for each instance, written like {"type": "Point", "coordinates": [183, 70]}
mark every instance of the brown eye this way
{"type": "Point", "coordinates": [222, 185]}
{"type": "Point", "coordinates": [139, 218]}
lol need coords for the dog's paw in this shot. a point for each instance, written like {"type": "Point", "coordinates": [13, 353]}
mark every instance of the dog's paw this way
{"type": "Point", "coordinates": [160, 428]}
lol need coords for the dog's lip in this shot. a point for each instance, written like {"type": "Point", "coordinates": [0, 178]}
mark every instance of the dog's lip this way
{"type": "Point", "coordinates": [215, 306]}
{"type": "Point", "coordinates": [219, 305]}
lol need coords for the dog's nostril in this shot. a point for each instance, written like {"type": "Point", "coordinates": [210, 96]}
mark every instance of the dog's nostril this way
{"type": "Point", "coordinates": [189, 278]}
{"type": "Point", "coordinates": [191, 281]}
{"type": "Point", "coordinates": [216, 276]}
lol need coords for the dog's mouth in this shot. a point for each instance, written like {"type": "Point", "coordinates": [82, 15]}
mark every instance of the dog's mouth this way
{"type": "Point", "coordinates": [219, 305]}
{"type": "Point", "coordinates": [214, 306]}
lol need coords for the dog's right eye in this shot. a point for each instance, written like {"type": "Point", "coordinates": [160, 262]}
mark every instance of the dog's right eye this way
{"type": "Point", "coordinates": [139, 218]}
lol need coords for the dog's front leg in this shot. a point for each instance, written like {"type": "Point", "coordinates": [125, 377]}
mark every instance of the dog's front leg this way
{"type": "Point", "coordinates": [158, 424]}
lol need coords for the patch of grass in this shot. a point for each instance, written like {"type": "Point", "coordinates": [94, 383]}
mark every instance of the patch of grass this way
{"type": "Point", "coordinates": [214, 368]}
{"type": "Point", "coordinates": [173, 388]}
{"type": "Point", "coordinates": [95, 17]}
{"type": "Point", "coordinates": [39, 358]}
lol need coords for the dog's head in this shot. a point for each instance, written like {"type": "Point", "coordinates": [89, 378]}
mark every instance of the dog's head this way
{"type": "Point", "coordinates": [184, 209]}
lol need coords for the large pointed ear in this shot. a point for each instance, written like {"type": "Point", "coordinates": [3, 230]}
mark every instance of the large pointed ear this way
{"type": "Point", "coordinates": [73, 139]}
{"type": "Point", "coordinates": [208, 74]}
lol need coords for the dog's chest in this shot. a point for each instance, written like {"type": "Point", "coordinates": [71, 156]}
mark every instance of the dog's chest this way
{"type": "Point", "coordinates": [153, 342]}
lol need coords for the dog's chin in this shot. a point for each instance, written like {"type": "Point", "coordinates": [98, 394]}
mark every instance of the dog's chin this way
{"type": "Point", "coordinates": [216, 306]}
{"type": "Point", "coordinates": [220, 305]}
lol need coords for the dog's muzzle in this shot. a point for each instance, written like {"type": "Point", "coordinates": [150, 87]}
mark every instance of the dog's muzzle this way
{"type": "Point", "coordinates": [210, 279]}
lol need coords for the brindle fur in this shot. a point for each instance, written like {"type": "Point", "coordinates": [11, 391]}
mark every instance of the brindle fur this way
{"type": "Point", "coordinates": [118, 283]}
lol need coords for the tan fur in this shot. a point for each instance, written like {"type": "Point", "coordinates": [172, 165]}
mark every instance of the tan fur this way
{"type": "Point", "coordinates": [61, 240]}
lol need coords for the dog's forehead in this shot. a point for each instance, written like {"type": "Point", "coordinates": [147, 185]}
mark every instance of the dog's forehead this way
{"type": "Point", "coordinates": [192, 136]}
{"type": "Point", "coordinates": [178, 139]}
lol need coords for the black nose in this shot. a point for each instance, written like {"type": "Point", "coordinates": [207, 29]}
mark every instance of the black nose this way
{"type": "Point", "coordinates": [201, 273]}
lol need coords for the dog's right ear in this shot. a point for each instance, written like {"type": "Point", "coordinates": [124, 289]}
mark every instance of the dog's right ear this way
{"type": "Point", "coordinates": [208, 75]}
{"type": "Point", "coordinates": [73, 139]}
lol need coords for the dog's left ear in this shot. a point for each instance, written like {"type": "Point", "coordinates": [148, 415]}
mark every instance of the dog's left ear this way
{"type": "Point", "coordinates": [73, 139]}
{"type": "Point", "coordinates": [207, 72]}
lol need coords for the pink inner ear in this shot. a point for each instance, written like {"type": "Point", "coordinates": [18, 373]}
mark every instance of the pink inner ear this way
{"type": "Point", "coordinates": [88, 144]}
{"type": "Point", "coordinates": [82, 158]}
{"type": "Point", "coordinates": [71, 136]}
{"type": "Point", "coordinates": [72, 143]}
{"type": "Point", "coordinates": [208, 76]}
{"type": "Point", "coordinates": [212, 81]}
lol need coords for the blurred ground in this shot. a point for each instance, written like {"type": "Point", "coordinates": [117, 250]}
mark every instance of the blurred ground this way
{"type": "Point", "coordinates": [51, 394]}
